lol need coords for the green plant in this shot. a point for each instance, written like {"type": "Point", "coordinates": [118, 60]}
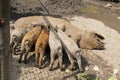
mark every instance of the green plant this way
{"type": "Point", "coordinates": [98, 79]}
{"type": "Point", "coordinates": [82, 76]}
{"type": "Point", "coordinates": [112, 78]}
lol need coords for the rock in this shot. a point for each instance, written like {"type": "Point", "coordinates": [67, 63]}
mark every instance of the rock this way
{"type": "Point", "coordinates": [96, 68]}
{"type": "Point", "coordinates": [68, 71]}
{"type": "Point", "coordinates": [108, 5]}
{"type": "Point", "coordinates": [115, 71]}
{"type": "Point", "coordinates": [118, 17]}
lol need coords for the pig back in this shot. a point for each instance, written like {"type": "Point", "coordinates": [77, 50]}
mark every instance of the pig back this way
{"type": "Point", "coordinates": [68, 42]}
{"type": "Point", "coordinates": [32, 35]}
{"type": "Point", "coordinates": [54, 41]}
{"type": "Point", "coordinates": [42, 40]}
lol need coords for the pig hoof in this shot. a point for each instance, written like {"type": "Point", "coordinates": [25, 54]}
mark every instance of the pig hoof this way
{"type": "Point", "coordinates": [25, 62]}
{"type": "Point", "coordinates": [62, 68]}
{"type": "Point", "coordinates": [72, 68]}
{"type": "Point", "coordinates": [81, 70]}
{"type": "Point", "coordinates": [50, 69]}
{"type": "Point", "coordinates": [40, 67]}
{"type": "Point", "coordinates": [19, 61]}
{"type": "Point", "coordinates": [36, 65]}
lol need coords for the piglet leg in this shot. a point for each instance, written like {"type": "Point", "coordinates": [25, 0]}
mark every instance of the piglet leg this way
{"type": "Point", "coordinates": [78, 58]}
{"type": "Point", "coordinates": [71, 67]}
{"type": "Point", "coordinates": [36, 59]}
{"type": "Point", "coordinates": [21, 55]}
{"type": "Point", "coordinates": [40, 59]}
{"type": "Point", "coordinates": [25, 58]}
{"type": "Point", "coordinates": [14, 47]}
{"type": "Point", "coordinates": [60, 59]}
{"type": "Point", "coordinates": [52, 60]}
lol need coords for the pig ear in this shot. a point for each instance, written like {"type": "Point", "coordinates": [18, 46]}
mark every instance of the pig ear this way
{"type": "Point", "coordinates": [12, 25]}
{"type": "Point", "coordinates": [14, 37]}
{"type": "Point", "coordinates": [33, 25]}
{"type": "Point", "coordinates": [42, 25]}
{"type": "Point", "coordinates": [78, 50]}
{"type": "Point", "coordinates": [99, 36]}
{"type": "Point", "coordinates": [48, 28]}
{"type": "Point", "coordinates": [55, 30]}
{"type": "Point", "coordinates": [56, 27]}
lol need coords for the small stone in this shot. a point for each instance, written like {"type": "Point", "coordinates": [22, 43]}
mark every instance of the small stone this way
{"type": "Point", "coordinates": [96, 68]}
{"type": "Point", "coordinates": [86, 68]}
{"type": "Point", "coordinates": [68, 71]}
{"type": "Point", "coordinates": [115, 71]}
{"type": "Point", "coordinates": [108, 5]}
{"type": "Point", "coordinates": [118, 17]}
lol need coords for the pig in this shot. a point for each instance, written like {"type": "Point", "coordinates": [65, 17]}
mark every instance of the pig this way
{"type": "Point", "coordinates": [71, 48]}
{"type": "Point", "coordinates": [28, 41]}
{"type": "Point", "coordinates": [72, 31]}
{"type": "Point", "coordinates": [40, 46]}
{"type": "Point", "coordinates": [91, 40]}
{"type": "Point", "coordinates": [17, 36]}
{"type": "Point", "coordinates": [56, 49]}
{"type": "Point", "coordinates": [39, 20]}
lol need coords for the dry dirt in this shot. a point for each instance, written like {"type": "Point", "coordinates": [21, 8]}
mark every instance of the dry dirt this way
{"type": "Point", "coordinates": [93, 15]}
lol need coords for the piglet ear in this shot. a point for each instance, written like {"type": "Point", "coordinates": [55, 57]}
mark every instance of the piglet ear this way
{"type": "Point", "coordinates": [56, 27]}
{"type": "Point", "coordinates": [42, 25]}
{"type": "Point", "coordinates": [14, 37]}
{"type": "Point", "coordinates": [78, 50]}
{"type": "Point", "coordinates": [33, 25]}
{"type": "Point", "coordinates": [48, 28]}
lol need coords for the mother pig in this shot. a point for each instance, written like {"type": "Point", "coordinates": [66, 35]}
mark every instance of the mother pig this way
{"type": "Point", "coordinates": [82, 38]}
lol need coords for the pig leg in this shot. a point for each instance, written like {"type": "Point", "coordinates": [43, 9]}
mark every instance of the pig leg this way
{"type": "Point", "coordinates": [60, 59]}
{"type": "Point", "coordinates": [36, 59]}
{"type": "Point", "coordinates": [41, 58]}
{"type": "Point", "coordinates": [21, 54]}
{"type": "Point", "coordinates": [78, 58]}
{"type": "Point", "coordinates": [52, 60]}
{"type": "Point", "coordinates": [71, 67]}
{"type": "Point", "coordinates": [26, 54]}
{"type": "Point", "coordinates": [14, 47]}
{"type": "Point", "coordinates": [11, 46]}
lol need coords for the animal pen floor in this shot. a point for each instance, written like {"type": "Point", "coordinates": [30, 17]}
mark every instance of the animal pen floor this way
{"type": "Point", "coordinates": [94, 16]}
{"type": "Point", "coordinates": [106, 61]}
{"type": "Point", "coordinates": [30, 72]}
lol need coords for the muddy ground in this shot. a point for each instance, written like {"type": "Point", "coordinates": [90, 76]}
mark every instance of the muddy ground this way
{"type": "Point", "coordinates": [88, 8]}
{"type": "Point", "coordinates": [107, 15]}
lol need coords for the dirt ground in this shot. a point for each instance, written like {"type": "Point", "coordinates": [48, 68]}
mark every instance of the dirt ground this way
{"type": "Point", "coordinates": [95, 15]}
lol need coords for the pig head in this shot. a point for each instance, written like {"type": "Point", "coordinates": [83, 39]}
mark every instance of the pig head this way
{"type": "Point", "coordinates": [85, 39]}
{"type": "Point", "coordinates": [91, 40]}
